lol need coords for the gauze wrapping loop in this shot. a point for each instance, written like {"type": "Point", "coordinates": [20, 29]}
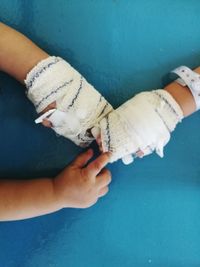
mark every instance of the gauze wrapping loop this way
{"type": "Point", "coordinates": [78, 105]}
{"type": "Point", "coordinates": [143, 123]}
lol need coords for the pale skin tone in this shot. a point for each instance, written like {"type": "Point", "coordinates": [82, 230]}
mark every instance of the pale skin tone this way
{"type": "Point", "coordinates": [79, 185]}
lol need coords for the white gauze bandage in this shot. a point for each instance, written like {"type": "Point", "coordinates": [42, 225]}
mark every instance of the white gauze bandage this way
{"type": "Point", "coordinates": [143, 123]}
{"type": "Point", "coordinates": [78, 105]}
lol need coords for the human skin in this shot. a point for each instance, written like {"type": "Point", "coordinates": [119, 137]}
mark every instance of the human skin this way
{"type": "Point", "coordinates": [79, 185]}
{"type": "Point", "coordinates": [18, 60]}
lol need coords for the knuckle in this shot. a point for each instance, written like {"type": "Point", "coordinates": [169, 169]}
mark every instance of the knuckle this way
{"type": "Point", "coordinates": [85, 180]}
{"type": "Point", "coordinates": [83, 174]}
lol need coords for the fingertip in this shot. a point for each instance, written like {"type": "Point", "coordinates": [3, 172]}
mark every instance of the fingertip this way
{"type": "Point", "coordinates": [90, 151]}
{"type": "Point", "coordinates": [47, 123]}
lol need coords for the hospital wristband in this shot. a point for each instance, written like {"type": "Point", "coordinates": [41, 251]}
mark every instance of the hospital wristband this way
{"type": "Point", "coordinates": [189, 78]}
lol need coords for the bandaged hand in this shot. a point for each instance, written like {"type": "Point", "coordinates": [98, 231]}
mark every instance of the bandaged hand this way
{"type": "Point", "coordinates": [78, 105]}
{"type": "Point", "coordinates": [139, 127]}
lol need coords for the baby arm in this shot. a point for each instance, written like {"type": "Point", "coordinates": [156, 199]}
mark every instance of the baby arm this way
{"type": "Point", "coordinates": [183, 96]}
{"type": "Point", "coordinates": [77, 186]}
{"type": "Point", "coordinates": [18, 54]}
{"type": "Point", "coordinates": [52, 83]}
{"type": "Point", "coordinates": [144, 123]}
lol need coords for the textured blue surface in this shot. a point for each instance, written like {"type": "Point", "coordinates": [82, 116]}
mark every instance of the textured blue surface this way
{"type": "Point", "coordinates": [151, 217]}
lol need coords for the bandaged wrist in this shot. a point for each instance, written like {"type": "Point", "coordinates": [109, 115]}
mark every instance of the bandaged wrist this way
{"type": "Point", "coordinates": [192, 80]}
{"type": "Point", "coordinates": [143, 123]}
{"type": "Point", "coordinates": [78, 105]}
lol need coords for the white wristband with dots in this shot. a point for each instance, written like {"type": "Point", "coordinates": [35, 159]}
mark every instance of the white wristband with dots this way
{"type": "Point", "coordinates": [192, 80]}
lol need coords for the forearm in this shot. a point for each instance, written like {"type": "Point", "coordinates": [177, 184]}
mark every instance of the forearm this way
{"type": "Point", "coordinates": [26, 198]}
{"type": "Point", "coordinates": [18, 54]}
{"type": "Point", "coordinates": [183, 96]}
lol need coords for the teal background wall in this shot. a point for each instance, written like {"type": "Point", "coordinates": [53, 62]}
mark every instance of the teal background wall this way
{"type": "Point", "coordinates": [151, 216]}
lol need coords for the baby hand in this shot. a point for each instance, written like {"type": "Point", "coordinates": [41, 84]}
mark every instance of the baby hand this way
{"type": "Point", "coordinates": [80, 186]}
